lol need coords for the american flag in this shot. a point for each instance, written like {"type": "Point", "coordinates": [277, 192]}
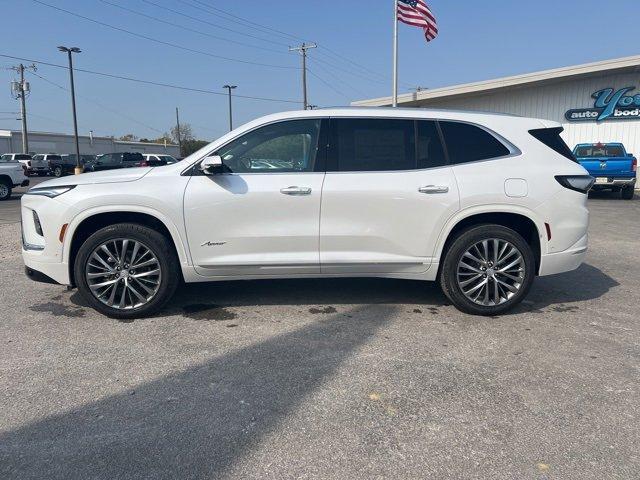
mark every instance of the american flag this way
{"type": "Point", "coordinates": [416, 13]}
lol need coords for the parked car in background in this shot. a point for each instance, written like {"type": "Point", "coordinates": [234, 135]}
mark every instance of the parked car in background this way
{"type": "Point", "coordinates": [67, 164]}
{"type": "Point", "coordinates": [480, 202]}
{"type": "Point", "coordinates": [40, 163]}
{"type": "Point", "coordinates": [110, 161]}
{"type": "Point", "coordinates": [12, 174]}
{"type": "Point", "coordinates": [23, 158]}
{"type": "Point", "coordinates": [609, 163]}
{"type": "Point", "coordinates": [157, 160]}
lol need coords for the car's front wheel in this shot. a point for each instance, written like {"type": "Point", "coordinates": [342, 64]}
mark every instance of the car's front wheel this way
{"type": "Point", "coordinates": [487, 270]}
{"type": "Point", "coordinates": [57, 171]}
{"type": "Point", "coordinates": [5, 189]}
{"type": "Point", "coordinates": [127, 270]}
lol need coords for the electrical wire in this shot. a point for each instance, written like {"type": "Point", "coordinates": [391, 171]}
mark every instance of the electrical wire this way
{"type": "Point", "coordinates": [162, 42]}
{"type": "Point", "coordinates": [326, 83]}
{"type": "Point", "coordinates": [176, 12]}
{"type": "Point", "coordinates": [116, 112]}
{"type": "Point", "coordinates": [149, 82]}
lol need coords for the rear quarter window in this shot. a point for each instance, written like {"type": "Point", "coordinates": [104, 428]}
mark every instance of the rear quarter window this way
{"type": "Point", "coordinates": [552, 139]}
{"type": "Point", "coordinates": [469, 143]}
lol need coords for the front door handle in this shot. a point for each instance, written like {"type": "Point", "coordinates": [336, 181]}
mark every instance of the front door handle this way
{"type": "Point", "coordinates": [434, 189]}
{"type": "Point", "coordinates": [296, 191]}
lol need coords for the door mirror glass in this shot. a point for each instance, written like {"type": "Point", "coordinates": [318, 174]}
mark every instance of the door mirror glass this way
{"type": "Point", "coordinates": [212, 165]}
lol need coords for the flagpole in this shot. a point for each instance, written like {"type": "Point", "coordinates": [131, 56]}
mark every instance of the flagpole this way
{"type": "Point", "coordinates": [395, 54]}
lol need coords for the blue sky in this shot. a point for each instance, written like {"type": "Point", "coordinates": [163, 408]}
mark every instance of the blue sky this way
{"type": "Point", "coordinates": [478, 40]}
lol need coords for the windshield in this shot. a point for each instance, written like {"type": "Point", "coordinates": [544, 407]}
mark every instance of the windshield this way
{"type": "Point", "coordinates": [599, 151]}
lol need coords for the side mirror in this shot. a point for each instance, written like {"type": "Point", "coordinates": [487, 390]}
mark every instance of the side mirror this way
{"type": "Point", "coordinates": [212, 165]}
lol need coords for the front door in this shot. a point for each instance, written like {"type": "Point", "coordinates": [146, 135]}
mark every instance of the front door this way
{"type": "Point", "coordinates": [262, 215]}
{"type": "Point", "coordinates": [386, 196]}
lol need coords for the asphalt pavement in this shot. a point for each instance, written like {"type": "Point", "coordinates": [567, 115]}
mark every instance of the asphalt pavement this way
{"type": "Point", "coordinates": [342, 378]}
{"type": "Point", "coordinates": [10, 209]}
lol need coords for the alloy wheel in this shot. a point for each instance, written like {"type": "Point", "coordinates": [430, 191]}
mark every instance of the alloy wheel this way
{"type": "Point", "coordinates": [4, 190]}
{"type": "Point", "coordinates": [123, 273]}
{"type": "Point", "coordinates": [491, 272]}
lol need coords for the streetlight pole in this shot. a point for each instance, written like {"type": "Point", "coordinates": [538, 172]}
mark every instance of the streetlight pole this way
{"type": "Point", "coordinates": [229, 88]}
{"type": "Point", "coordinates": [79, 167]}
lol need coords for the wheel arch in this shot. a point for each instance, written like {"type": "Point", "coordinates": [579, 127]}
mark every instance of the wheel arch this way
{"type": "Point", "coordinates": [522, 221]}
{"type": "Point", "coordinates": [91, 221]}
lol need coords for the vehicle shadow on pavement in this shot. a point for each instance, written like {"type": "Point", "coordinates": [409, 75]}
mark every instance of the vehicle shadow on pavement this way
{"type": "Point", "coordinates": [332, 291]}
{"type": "Point", "coordinates": [585, 283]}
{"type": "Point", "coordinates": [196, 423]}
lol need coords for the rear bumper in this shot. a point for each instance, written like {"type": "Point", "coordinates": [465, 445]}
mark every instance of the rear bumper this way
{"type": "Point", "coordinates": [613, 182]}
{"type": "Point", "coordinates": [564, 261]}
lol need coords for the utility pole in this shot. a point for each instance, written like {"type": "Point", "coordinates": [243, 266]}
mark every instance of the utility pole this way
{"type": "Point", "coordinates": [79, 166]}
{"type": "Point", "coordinates": [303, 51]}
{"type": "Point", "coordinates": [230, 87]}
{"type": "Point", "coordinates": [178, 131]}
{"type": "Point", "coordinates": [20, 90]}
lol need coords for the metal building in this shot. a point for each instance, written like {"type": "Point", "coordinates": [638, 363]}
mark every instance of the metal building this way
{"type": "Point", "coordinates": [43, 142]}
{"type": "Point", "coordinates": [595, 102]}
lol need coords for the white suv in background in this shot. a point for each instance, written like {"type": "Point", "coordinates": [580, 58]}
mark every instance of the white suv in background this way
{"type": "Point", "coordinates": [12, 174]}
{"type": "Point", "coordinates": [479, 202]}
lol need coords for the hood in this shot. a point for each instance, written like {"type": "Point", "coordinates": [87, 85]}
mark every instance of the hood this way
{"type": "Point", "coordinates": [107, 176]}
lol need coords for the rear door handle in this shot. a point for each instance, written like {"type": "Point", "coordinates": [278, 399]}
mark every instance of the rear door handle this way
{"type": "Point", "coordinates": [296, 191]}
{"type": "Point", "coordinates": [434, 189]}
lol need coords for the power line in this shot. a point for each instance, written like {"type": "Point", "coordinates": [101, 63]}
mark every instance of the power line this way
{"type": "Point", "coordinates": [240, 20]}
{"type": "Point", "coordinates": [327, 83]}
{"type": "Point", "coordinates": [101, 105]}
{"type": "Point", "coordinates": [162, 42]}
{"type": "Point", "coordinates": [176, 12]}
{"type": "Point", "coordinates": [176, 25]}
{"type": "Point", "coordinates": [338, 79]}
{"type": "Point", "coordinates": [149, 82]}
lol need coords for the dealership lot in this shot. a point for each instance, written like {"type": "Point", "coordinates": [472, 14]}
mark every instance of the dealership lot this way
{"type": "Point", "coordinates": [340, 378]}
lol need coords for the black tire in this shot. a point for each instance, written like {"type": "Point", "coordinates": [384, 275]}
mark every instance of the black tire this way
{"type": "Point", "coordinates": [160, 247]}
{"type": "Point", "coordinates": [627, 193]}
{"type": "Point", "coordinates": [57, 171]}
{"type": "Point", "coordinates": [464, 241]}
{"type": "Point", "coordinates": [5, 189]}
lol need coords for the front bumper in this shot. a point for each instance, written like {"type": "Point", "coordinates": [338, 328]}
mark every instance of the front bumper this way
{"type": "Point", "coordinates": [37, 276]}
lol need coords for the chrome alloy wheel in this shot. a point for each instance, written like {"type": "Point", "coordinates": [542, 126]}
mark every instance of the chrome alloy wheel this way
{"type": "Point", "coordinates": [123, 273]}
{"type": "Point", "coordinates": [491, 272]}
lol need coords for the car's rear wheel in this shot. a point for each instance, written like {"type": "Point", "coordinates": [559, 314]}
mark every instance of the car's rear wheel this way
{"type": "Point", "coordinates": [127, 270]}
{"type": "Point", "coordinates": [627, 193]}
{"type": "Point", "coordinates": [5, 189]}
{"type": "Point", "coordinates": [57, 171]}
{"type": "Point", "coordinates": [487, 270]}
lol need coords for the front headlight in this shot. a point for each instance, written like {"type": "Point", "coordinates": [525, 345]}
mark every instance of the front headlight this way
{"type": "Point", "coordinates": [50, 191]}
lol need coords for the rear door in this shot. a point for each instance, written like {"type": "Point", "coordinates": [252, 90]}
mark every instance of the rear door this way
{"type": "Point", "coordinates": [386, 196]}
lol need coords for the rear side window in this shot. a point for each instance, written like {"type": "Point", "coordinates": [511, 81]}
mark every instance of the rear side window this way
{"type": "Point", "coordinates": [367, 145]}
{"type": "Point", "coordinates": [469, 143]}
{"type": "Point", "coordinates": [23, 157]}
{"type": "Point", "coordinates": [552, 139]}
{"type": "Point", "coordinates": [54, 157]}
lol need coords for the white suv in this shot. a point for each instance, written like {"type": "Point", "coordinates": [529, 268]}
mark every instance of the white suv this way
{"type": "Point", "coordinates": [480, 202]}
{"type": "Point", "coordinates": [12, 174]}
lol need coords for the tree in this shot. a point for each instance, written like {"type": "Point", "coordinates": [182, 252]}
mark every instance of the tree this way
{"type": "Point", "coordinates": [190, 146]}
{"type": "Point", "coordinates": [129, 137]}
{"type": "Point", "coordinates": [186, 133]}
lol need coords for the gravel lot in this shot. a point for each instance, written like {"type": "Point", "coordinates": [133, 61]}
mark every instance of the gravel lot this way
{"type": "Point", "coordinates": [325, 379]}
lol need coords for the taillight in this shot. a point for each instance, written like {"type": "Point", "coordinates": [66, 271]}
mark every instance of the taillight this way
{"type": "Point", "coordinates": [579, 183]}
{"type": "Point", "coordinates": [634, 165]}
{"type": "Point", "coordinates": [143, 163]}
{"type": "Point", "coordinates": [24, 168]}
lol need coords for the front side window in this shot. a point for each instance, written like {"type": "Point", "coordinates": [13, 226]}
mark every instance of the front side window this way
{"type": "Point", "coordinates": [470, 143]}
{"type": "Point", "coordinates": [380, 144]}
{"type": "Point", "coordinates": [289, 146]}
{"type": "Point", "coordinates": [38, 157]}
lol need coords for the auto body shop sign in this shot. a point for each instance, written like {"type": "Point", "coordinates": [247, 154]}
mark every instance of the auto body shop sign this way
{"type": "Point", "coordinates": [609, 104]}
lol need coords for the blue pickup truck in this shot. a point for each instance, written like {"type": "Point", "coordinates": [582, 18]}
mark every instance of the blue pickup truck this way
{"type": "Point", "coordinates": [613, 168]}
